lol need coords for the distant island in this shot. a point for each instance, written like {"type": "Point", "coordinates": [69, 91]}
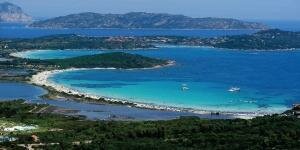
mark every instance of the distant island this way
{"type": "Point", "coordinates": [10, 13]}
{"type": "Point", "coordinates": [272, 39]}
{"type": "Point", "coordinates": [144, 20]}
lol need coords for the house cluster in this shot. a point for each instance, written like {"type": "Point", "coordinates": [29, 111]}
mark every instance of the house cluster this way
{"type": "Point", "coordinates": [296, 110]}
{"type": "Point", "coordinates": [7, 139]}
{"type": "Point", "coordinates": [5, 46]}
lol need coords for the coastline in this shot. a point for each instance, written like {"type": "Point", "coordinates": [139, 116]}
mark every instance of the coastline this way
{"type": "Point", "coordinates": [42, 79]}
{"type": "Point", "coordinates": [20, 54]}
{"type": "Point", "coordinates": [175, 29]}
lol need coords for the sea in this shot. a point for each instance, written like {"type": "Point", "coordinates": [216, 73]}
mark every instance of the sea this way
{"type": "Point", "coordinates": [201, 78]}
{"type": "Point", "coordinates": [268, 80]}
{"type": "Point", "coordinates": [10, 91]}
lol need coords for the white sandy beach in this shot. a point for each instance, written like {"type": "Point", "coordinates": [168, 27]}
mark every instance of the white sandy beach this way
{"type": "Point", "coordinates": [42, 79]}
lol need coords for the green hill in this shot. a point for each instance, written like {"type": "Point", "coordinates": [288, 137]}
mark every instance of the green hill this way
{"type": "Point", "coordinates": [106, 60]}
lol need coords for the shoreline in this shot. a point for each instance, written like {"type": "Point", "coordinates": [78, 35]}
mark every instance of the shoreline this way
{"type": "Point", "coordinates": [42, 79]}
{"type": "Point", "coordinates": [172, 29]}
{"type": "Point", "coordinates": [20, 54]}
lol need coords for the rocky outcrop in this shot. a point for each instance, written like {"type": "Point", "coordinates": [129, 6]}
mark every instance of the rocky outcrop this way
{"type": "Point", "coordinates": [13, 14]}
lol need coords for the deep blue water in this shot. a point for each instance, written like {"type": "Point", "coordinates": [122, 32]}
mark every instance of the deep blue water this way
{"type": "Point", "coordinates": [21, 31]}
{"type": "Point", "coordinates": [269, 81]}
{"type": "Point", "coordinates": [291, 25]}
{"type": "Point", "coordinates": [10, 91]}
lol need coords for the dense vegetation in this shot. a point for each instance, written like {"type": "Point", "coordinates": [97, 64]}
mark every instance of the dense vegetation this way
{"type": "Point", "coordinates": [71, 41]}
{"type": "Point", "coordinates": [272, 39]}
{"type": "Point", "coordinates": [21, 69]}
{"type": "Point", "coordinates": [116, 60]}
{"type": "Point", "coordinates": [263, 40]}
{"type": "Point", "coordinates": [144, 20]}
{"type": "Point", "coordinates": [269, 132]}
{"type": "Point", "coordinates": [105, 60]}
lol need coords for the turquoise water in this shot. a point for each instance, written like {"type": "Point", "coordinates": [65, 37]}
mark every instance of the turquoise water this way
{"type": "Point", "coordinates": [269, 81]}
{"type": "Point", "coordinates": [55, 54]}
{"type": "Point", "coordinates": [12, 91]}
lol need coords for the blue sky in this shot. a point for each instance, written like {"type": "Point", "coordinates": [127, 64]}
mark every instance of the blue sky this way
{"type": "Point", "coordinates": [241, 9]}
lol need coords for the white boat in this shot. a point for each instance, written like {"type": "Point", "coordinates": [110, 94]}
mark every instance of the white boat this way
{"type": "Point", "coordinates": [184, 87]}
{"type": "Point", "coordinates": [234, 89]}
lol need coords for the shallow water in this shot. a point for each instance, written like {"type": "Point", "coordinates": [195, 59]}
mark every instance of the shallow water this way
{"type": "Point", "coordinates": [55, 54]}
{"type": "Point", "coordinates": [121, 112]}
{"type": "Point", "coordinates": [12, 91]}
{"type": "Point", "coordinates": [269, 81]}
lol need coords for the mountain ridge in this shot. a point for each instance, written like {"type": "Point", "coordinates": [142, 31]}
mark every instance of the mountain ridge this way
{"type": "Point", "coordinates": [144, 20]}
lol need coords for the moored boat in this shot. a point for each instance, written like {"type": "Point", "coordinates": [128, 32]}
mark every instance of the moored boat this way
{"type": "Point", "coordinates": [234, 89]}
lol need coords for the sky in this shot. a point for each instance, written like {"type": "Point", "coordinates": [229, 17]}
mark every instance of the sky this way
{"type": "Point", "coordinates": [239, 9]}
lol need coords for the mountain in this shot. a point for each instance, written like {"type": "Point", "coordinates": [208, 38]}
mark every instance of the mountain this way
{"type": "Point", "coordinates": [143, 20]}
{"type": "Point", "coordinates": [13, 14]}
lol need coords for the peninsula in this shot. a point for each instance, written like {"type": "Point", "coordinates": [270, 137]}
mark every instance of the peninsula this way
{"type": "Point", "coordinates": [272, 39]}
{"type": "Point", "coordinates": [107, 60]}
{"type": "Point", "coordinates": [117, 60]}
{"type": "Point", "coordinates": [72, 41]}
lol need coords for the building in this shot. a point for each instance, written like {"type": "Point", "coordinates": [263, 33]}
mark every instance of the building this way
{"type": "Point", "coordinates": [296, 110]}
{"type": "Point", "coordinates": [7, 139]}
